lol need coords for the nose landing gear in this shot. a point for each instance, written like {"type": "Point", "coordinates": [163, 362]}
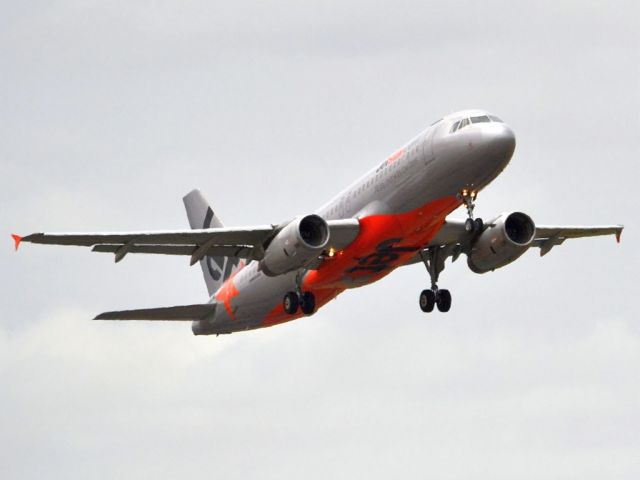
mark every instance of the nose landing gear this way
{"type": "Point", "coordinates": [468, 197]}
{"type": "Point", "coordinates": [433, 259]}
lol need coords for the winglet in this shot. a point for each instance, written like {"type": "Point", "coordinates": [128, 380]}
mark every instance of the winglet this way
{"type": "Point", "coordinates": [16, 239]}
{"type": "Point", "coordinates": [618, 234]}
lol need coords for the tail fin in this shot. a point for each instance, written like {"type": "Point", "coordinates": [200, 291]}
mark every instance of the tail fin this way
{"type": "Point", "coordinates": [215, 269]}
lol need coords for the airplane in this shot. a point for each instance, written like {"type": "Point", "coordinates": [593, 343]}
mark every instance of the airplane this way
{"type": "Point", "coordinates": [396, 214]}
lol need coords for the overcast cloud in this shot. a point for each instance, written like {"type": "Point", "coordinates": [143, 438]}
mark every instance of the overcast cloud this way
{"type": "Point", "coordinates": [111, 111]}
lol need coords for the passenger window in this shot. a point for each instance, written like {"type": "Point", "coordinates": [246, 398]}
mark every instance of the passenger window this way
{"type": "Point", "coordinates": [480, 119]}
{"type": "Point", "coordinates": [455, 127]}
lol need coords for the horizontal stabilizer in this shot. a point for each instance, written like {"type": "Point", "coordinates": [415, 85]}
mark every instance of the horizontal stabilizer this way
{"type": "Point", "coordinates": [177, 313]}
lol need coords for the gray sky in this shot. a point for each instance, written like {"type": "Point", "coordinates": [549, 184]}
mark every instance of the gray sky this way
{"type": "Point", "coordinates": [111, 111]}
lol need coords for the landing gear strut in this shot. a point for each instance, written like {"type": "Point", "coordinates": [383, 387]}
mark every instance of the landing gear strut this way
{"type": "Point", "coordinates": [468, 197]}
{"type": "Point", "coordinates": [433, 259]}
{"type": "Point", "coordinates": [306, 301]}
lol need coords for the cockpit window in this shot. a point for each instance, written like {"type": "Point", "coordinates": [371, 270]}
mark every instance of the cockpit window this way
{"type": "Point", "coordinates": [460, 124]}
{"type": "Point", "coordinates": [480, 119]}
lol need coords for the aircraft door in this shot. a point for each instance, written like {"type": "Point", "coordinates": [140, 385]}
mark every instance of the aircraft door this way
{"type": "Point", "coordinates": [427, 145]}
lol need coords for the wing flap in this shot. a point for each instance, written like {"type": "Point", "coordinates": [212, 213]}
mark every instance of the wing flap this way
{"type": "Point", "coordinates": [177, 313]}
{"type": "Point", "coordinates": [343, 232]}
{"type": "Point", "coordinates": [223, 236]}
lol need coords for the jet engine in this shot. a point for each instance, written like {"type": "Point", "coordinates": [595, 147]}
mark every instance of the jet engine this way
{"type": "Point", "coordinates": [502, 242]}
{"type": "Point", "coordinates": [296, 245]}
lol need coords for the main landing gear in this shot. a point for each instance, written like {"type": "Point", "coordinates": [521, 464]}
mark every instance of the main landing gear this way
{"type": "Point", "coordinates": [306, 301]}
{"type": "Point", "coordinates": [468, 197]}
{"type": "Point", "coordinates": [433, 258]}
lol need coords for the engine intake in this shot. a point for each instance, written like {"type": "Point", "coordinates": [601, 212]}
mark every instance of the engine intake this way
{"type": "Point", "coordinates": [296, 245]}
{"type": "Point", "coordinates": [506, 239]}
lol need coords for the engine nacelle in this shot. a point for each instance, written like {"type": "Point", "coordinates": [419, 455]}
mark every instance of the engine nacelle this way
{"type": "Point", "coordinates": [299, 242]}
{"type": "Point", "coordinates": [508, 237]}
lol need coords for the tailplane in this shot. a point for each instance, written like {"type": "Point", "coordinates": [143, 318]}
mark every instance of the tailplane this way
{"type": "Point", "coordinates": [178, 313]}
{"type": "Point", "coordinates": [215, 269]}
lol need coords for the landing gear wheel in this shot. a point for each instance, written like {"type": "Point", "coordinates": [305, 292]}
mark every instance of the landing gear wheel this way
{"type": "Point", "coordinates": [469, 225]}
{"type": "Point", "coordinates": [468, 197]}
{"type": "Point", "coordinates": [427, 300]}
{"type": "Point", "coordinates": [443, 300]}
{"type": "Point", "coordinates": [290, 302]}
{"type": "Point", "coordinates": [308, 303]}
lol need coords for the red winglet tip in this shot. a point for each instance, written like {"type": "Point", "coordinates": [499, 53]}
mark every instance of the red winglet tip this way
{"type": "Point", "coordinates": [16, 239]}
{"type": "Point", "coordinates": [618, 235]}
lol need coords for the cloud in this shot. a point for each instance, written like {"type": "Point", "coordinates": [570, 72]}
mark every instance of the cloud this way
{"type": "Point", "coordinates": [140, 398]}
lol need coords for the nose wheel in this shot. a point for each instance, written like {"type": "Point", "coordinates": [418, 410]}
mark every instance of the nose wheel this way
{"type": "Point", "coordinates": [472, 225]}
{"type": "Point", "coordinates": [433, 259]}
{"type": "Point", "coordinates": [468, 197]}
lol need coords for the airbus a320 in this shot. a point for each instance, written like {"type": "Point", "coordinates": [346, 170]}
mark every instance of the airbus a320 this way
{"type": "Point", "coordinates": [396, 214]}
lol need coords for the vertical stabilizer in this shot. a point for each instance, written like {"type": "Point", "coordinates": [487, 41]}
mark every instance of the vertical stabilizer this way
{"type": "Point", "coordinates": [215, 269]}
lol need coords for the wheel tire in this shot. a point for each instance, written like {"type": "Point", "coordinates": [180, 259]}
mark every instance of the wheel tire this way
{"type": "Point", "coordinates": [308, 304]}
{"type": "Point", "coordinates": [443, 300]}
{"type": "Point", "coordinates": [479, 224]}
{"type": "Point", "coordinates": [469, 225]}
{"type": "Point", "coordinates": [290, 303]}
{"type": "Point", "coordinates": [427, 300]}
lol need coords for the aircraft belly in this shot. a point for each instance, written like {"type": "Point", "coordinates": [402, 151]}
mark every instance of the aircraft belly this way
{"type": "Point", "coordinates": [385, 243]}
{"type": "Point", "coordinates": [387, 240]}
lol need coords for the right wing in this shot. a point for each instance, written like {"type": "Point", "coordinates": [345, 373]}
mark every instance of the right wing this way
{"type": "Point", "coordinates": [242, 242]}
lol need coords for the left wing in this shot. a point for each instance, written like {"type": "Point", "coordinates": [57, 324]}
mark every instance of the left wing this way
{"type": "Point", "coordinates": [546, 237]}
{"type": "Point", "coordinates": [457, 240]}
{"type": "Point", "coordinates": [242, 242]}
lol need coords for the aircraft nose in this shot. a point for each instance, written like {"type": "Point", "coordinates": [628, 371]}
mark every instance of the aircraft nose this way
{"type": "Point", "coordinates": [498, 141]}
{"type": "Point", "coordinates": [495, 143]}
